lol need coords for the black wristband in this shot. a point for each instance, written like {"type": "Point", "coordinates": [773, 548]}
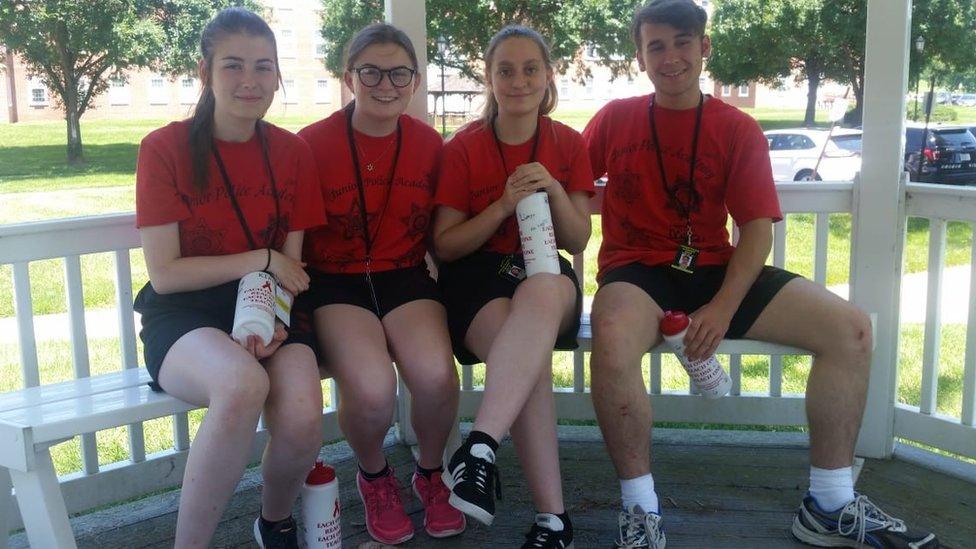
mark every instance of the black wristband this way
{"type": "Point", "coordinates": [268, 264]}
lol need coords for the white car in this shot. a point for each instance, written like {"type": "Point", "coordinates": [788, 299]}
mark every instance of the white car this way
{"type": "Point", "coordinates": [794, 153]}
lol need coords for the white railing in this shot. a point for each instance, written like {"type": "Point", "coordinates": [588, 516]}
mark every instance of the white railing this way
{"type": "Point", "coordinates": [941, 204]}
{"type": "Point", "coordinates": [70, 239]}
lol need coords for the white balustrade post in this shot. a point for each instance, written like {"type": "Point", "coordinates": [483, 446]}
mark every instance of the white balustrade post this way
{"type": "Point", "coordinates": [878, 206]}
{"type": "Point", "coordinates": [410, 16]}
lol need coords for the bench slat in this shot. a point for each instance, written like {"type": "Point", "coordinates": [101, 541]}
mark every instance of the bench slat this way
{"type": "Point", "coordinates": [73, 389]}
{"type": "Point", "coordinates": [24, 311]}
{"type": "Point", "coordinates": [66, 418]}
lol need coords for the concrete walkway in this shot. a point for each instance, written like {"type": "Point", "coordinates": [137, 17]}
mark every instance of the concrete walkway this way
{"type": "Point", "coordinates": [103, 323]}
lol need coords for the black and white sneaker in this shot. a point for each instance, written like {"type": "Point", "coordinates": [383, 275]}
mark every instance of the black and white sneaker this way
{"type": "Point", "coordinates": [638, 529]}
{"type": "Point", "coordinates": [548, 532]}
{"type": "Point", "coordinates": [472, 478]}
{"type": "Point", "coordinates": [860, 523]}
{"type": "Point", "coordinates": [283, 535]}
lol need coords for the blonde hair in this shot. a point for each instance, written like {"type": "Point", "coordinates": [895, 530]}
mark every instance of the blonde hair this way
{"type": "Point", "coordinates": [549, 100]}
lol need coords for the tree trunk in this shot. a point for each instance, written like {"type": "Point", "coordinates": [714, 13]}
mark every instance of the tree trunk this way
{"type": "Point", "coordinates": [74, 125]}
{"type": "Point", "coordinates": [813, 83]}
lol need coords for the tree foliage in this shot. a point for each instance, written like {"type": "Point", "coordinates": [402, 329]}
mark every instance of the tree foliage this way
{"type": "Point", "coordinates": [74, 47]}
{"type": "Point", "coordinates": [466, 26]}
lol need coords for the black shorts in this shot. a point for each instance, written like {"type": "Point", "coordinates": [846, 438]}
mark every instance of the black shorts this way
{"type": "Point", "coordinates": [168, 317]}
{"type": "Point", "coordinates": [392, 288]}
{"type": "Point", "coordinates": [674, 290]}
{"type": "Point", "coordinates": [469, 283]}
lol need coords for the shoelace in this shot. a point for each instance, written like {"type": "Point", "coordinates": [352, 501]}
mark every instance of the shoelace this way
{"type": "Point", "coordinates": [387, 491]}
{"type": "Point", "coordinates": [437, 492]}
{"type": "Point", "coordinates": [631, 526]}
{"type": "Point", "coordinates": [538, 536]}
{"type": "Point", "coordinates": [860, 510]}
{"type": "Point", "coordinates": [480, 472]}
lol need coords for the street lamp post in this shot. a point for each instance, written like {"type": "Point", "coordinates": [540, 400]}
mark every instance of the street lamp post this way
{"type": "Point", "coordinates": [919, 47]}
{"type": "Point", "coordinates": [442, 52]}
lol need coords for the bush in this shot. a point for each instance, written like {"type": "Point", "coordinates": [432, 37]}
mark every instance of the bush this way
{"type": "Point", "coordinates": [944, 113]}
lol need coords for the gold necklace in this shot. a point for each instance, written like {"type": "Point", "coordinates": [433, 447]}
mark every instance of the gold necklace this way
{"type": "Point", "coordinates": [370, 166]}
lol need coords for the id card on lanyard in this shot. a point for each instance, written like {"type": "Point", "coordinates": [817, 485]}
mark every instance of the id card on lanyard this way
{"type": "Point", "coordinates": [686, 255]}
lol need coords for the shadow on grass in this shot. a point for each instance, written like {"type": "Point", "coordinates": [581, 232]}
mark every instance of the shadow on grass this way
{"type": "Point", "coordinates": [39, 163]}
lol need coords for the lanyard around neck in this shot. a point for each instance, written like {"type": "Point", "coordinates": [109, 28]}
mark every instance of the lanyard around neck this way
{"type": "Point", "coordinates": [671, 191]}
{"type": "Point", "coordinates": [353, 150]}
{"type": "Point", "coordinates": [233, 198]}
{"type": "Point", "coordinates": [498, 143]}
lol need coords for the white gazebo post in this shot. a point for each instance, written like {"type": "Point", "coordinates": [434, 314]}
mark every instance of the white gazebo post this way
{"type": "Point", "coordinates": [879, 207]}
{"type": "Point", "coordinates": [410, 16]}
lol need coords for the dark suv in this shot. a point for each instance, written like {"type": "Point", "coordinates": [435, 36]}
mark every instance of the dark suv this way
{"type": "Point", "coordinates": [949, 155]}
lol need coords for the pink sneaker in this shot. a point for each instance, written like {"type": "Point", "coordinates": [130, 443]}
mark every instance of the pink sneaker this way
{"type": "Point", "coordinates": [441, 520]}
{"type": "Point", "coordinates": [386, 521]}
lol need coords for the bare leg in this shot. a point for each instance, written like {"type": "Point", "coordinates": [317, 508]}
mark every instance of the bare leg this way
{"type": "Point", "coordinates": [625, 321]}
{"type": "Point", "coordinates": [207, 368]}
{"type": "Point", "coordinates": [839, 334]}
{"type": "Point", "coordinates": [542, 305]}
{"type": "Point", "coordinates": [418, 336]}
{"type": "Point", "coordinates": [534, 435]}
{"type": "Point", "coordinates": [293, 415]}
{"type": "Point", "coordinates": [354, 345]}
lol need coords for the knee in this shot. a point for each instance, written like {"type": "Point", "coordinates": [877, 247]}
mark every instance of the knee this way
{"type": "Point", "coordinates": [614, 330]}
{"type": "Point", "coordinates": [243, 396]}
{"type": "Point", "coordinates": [544, 290]}
{"type": "Point", "coordinates": [368, 403]}
{"type": "Point", "coordinates": [301, 431]}
{"type": "Point", "coordinates": [439, 383]}
{"type": "Point", "coordinates": [854, 336]}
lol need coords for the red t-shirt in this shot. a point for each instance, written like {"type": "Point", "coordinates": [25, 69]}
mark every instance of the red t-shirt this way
{"type": "Point", "coordinates": [473, 176]}
{"type": "Point", "coordinates": [732, 176]}
{"type": "Point", "coordinates": [398, 222]}
{"type": "Point", "coordinates": [208, 224]}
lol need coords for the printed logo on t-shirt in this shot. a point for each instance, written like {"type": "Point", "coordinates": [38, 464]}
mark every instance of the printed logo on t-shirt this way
{"type": "Point", "coordinates": [417, 221]}
{"type": "Point", "coordinates": [202, 238]}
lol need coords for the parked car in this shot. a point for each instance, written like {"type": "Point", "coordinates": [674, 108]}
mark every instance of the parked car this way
{"type": "Point", "coordinates": [794, 153]}
{"type": "Point", "coordinates": [965, 100]}
{"type": "Point", "coordinates": [949, 154]}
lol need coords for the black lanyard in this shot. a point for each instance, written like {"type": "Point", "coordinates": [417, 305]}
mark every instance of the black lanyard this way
{"type": "Point", "coordinates": [353, 151]}
{"type": "Point", "coordinates": [233, 199]}
{"type": "Point", "coordinates": [683, 208]}
{"type": "Point", "coordinates": [498, 143]}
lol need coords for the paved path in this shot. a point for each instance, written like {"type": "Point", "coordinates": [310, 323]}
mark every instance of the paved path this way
{"type": "Point", "coordinates": [103, 323]}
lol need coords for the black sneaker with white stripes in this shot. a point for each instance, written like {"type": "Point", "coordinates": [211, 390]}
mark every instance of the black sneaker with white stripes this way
{"type": "Point", "coordinates": [474, 483]}
{"type": "Point", "coordinates": [549, 532]}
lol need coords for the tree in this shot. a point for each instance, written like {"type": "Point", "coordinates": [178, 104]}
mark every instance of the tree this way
{"type": "Point", "coordinates": [468, 25]}
{"type": "Point", "coordinates": [76, 46]}
{"type": "Point", "coordinates": [779, 39]}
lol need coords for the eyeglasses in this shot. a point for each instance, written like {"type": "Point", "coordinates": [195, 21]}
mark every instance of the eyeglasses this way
{"type": "Point", "coordinates": [371, 76]}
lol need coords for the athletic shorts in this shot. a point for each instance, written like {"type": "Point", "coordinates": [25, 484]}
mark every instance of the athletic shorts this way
{"type": "Point", "coordinates": [674, 290]}
{"type": "Point", "coordinates": [469, 283]}
{"type": "Point", "coordinates": [168, 317]}
{"type": "Point", "coordinates": [392, 288]}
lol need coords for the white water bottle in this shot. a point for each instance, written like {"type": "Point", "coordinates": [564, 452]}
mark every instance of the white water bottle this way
{"type": "Point", "coordinates": [537, 234]}
{"type": "Point", "coordinates": [320, 508]}
{"type": "Point", "coordinates": [707, 374]}
{"type": "Point", "coordinates": [255, 312]}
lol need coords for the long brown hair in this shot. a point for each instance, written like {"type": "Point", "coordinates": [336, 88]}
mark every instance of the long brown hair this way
{"type": "Point", "coordinates": [227, 21]}
{"type": "Point", "coordinates": [549, 100]}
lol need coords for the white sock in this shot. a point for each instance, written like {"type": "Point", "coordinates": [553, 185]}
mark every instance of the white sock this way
{"type": "Point", "coordinates": [639, 491]}
{"type": "Point", "coordinates": [550, 521]}
{"type": "Point", "coordinates": [832, 488]}
{"type": "Point", "coordinates": [483, 451]}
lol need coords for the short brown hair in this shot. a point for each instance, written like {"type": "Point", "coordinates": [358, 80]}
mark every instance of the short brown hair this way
{"type": "Point", "coordinates": [684, 15]}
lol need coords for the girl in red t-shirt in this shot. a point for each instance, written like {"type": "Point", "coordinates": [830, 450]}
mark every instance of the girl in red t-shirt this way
{"type": "Point", "coordinates": [219, 196]}
{"type": "Point", "coordinates": [374, 301]}
{"type": "Point", "coordinates": [497, 315]}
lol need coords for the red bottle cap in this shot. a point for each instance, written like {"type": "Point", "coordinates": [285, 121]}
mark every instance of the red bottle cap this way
{"type": "Point", "coordinates": [674, 322]}
{"type": "Point", "coordinates": [320, 474]}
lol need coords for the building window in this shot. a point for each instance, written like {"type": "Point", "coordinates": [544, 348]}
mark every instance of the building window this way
{"type": "Point", "coordinates": [118, 92]}
{"type": "Point", "coordinates": [286, 43]}
{"type": "Point", "coordinates": [322, 91]}
{"type": "Point", "coordinates": [157, 91]}
{"type": "Point", "coordinates": [726, 91]}
{"type": "Point", "coordinates": [188, 91]}
{"type": "Point", "coordinates": [290, 92]}
{"type": "Point", "coordinates": [38, 92]}
{"type": "Point", "coordinates": [589, 88]}
{"type": "Point", "coordinates": [744, 90]}
{"type": "Point", "coordinates": [319, 44]}
{"type": "Point", "coordinates": [564, 87]}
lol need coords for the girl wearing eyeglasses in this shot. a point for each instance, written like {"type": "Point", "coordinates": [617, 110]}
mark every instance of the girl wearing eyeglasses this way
{"type": "Point", "coordinates": [496, 314]}
{"type": "Point", "coordinates": [374, 301]}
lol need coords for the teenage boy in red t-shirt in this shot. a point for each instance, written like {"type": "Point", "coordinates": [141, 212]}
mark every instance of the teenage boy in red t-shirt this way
{"type": "Point", "coordinates": [678, 163]}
